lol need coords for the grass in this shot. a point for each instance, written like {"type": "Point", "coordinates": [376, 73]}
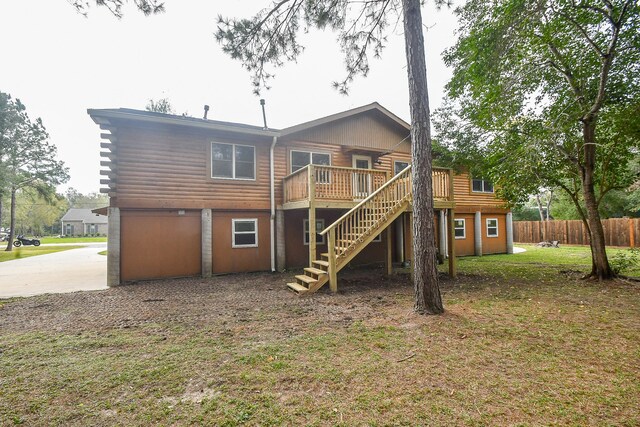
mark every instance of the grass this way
{"type": "Point", "coordinates": [102, 253]}
{"type": "Point", "coordinates": [523, 342]}
{"type": "Point", "coordinates": [27, 251]}
{"type": "Point", "coordinates": [575, 258]}
{"type": "Point", "coordinates": [47, 240]}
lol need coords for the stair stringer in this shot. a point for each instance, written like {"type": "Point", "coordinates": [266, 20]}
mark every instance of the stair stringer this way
{"type": "Point", "coordinates": [342, 261]}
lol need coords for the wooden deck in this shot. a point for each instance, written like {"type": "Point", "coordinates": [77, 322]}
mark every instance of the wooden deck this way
{"type": "Point", "coordinates": [362, 223]}
{"type": "Point", "coordinates": [332, 187]}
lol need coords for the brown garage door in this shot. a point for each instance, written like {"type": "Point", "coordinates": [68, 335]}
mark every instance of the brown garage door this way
{"type": "Point", "coordinates": [158, 244]}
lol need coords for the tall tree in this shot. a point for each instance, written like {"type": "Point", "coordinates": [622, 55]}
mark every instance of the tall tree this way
{"type": "Point", "coordinates": [28, 158]}
{"type": "Point", "coordinates": [550, 82]}
{"type": "Point", "coordinates": [270, 38]}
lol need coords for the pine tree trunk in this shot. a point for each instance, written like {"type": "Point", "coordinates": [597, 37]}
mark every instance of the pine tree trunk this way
{"type": "Point", "coordinates": [427, 290]}
{"type": "Point", "coordinates": [13, 221]}
{"type": "Point", "coordinates": [600, 268]}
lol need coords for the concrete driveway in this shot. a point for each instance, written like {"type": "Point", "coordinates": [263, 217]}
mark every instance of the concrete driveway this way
{"type": "Point", "coordinates": [67, 271]}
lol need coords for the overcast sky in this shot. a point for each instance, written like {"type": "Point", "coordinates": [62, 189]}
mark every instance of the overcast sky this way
{"type": "Point", "coordinates": [60, 63]}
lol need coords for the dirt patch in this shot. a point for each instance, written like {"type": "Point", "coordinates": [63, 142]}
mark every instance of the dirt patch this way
{"type": "Point", "coordinates": [228, 301]}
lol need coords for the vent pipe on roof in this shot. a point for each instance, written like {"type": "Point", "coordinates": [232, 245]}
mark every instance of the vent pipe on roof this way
{"type": "Point", "coordinates": [264, 114]}
{"type": "Point", "coordinates": [206, 111]}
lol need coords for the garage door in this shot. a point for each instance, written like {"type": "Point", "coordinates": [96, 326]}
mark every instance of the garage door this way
{"type": "Point", "coordinates": [160, 244]}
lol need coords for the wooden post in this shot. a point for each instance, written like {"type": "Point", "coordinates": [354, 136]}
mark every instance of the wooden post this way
{"type": "Point", "coordinates": [412, 259]}
{"type": "Point", "coordinates": [452, 243]}
{"type": "Point", "coordinates": [451, 198]}
{"type": "Point", "coordinates": [333, 274]}
{"type": "Point", "coordinates": [632, 233]}
{"type": "Point", "coordinates": [312, 214]}
{"type": "Point", "coordinates": [388, 260]}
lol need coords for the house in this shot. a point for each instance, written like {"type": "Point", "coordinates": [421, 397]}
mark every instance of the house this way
{"type": "Point", "coordinates": [192, 196]}
{"type": "Point", "coordinates": [81, 222]}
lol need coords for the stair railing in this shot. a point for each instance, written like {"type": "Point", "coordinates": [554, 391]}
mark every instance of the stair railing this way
{"type": "Point", "coordinates": [366, 217]}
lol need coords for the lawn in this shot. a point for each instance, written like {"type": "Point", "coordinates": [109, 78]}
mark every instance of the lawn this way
{"type": "Point", "coordinates": [46, 240]}
{"type": "Point", "coordinates": [523, 342]}
{"type": "Point", "coordinates": [27, 251]}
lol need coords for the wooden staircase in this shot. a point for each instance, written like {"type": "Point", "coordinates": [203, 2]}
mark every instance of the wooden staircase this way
{"type": "Point", "coordinates": [354, 231]}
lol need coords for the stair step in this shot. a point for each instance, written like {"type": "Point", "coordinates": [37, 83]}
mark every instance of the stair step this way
{"type": "Point", "coordinates": [322, 263]}
{"type": "Point", "coordinates": [325, 255]}
{"type": "Point", "coordinates": [315, 271]}
{"type": "Point", "coordinates": [306, 279]}
{"type": "Point", "coordinates": [298, 288]}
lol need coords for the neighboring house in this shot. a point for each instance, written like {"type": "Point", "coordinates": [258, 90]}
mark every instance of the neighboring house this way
{"type": "Point", "coordinates": [80, 222]}
{"type": "Point", "coordinates": [195, 197]}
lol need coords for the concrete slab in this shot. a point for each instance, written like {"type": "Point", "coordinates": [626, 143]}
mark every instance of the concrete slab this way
{"type": "Point", "coordinates": [61, 272]}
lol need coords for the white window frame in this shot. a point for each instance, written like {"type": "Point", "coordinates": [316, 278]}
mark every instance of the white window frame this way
{"type": "Point", "coordinates": [378, 238]}
{"type": "Point", "coordinates": [399, 161]}
{"type": "Point", "coordinates": [233, 161]}
{"type": "Point", "coordinates": [234, 232]}
{"type": "Point", "coordinates": [305, 239]}
{"type": "Point", "coordinates": [496, 227]}
{"type": "Point", "coordinates": [464, 228]}
{"type": "Point", "coordinates": [310, 153]}
{"type": "Point", "coordinates": [483, 182]}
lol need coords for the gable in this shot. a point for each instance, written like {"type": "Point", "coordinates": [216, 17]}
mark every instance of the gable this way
{"type": "Point", "coordinates": [368, 130]}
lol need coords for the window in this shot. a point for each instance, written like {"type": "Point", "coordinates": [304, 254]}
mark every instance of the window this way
{"type": "Point", "coordinates": [378, 238]}
{"type": "Point", "coordinates": [399, 166]}
{"type": "Point", "coordinates": [300, 159]}
{"type": "Point", "coordinates": [233, 161]}
{"type": "Point", "coordinates": [92, 229]}
{"type": "Point", "coordinates": [458, 228]}
{"type": "Point", "coordinates": [319, 227]}
{"type": "Point", "coordinates": [244, 233]}
{"type": "Point", "coordinates": [492, 227]}
{"type": "Point", "coordinates": [481, 186]}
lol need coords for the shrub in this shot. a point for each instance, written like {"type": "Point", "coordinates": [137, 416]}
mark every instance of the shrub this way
{"type": "Point", "coordinates": [625, 260]}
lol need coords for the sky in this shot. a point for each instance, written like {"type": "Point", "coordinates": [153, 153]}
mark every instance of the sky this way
{"type": "Point", "coordinates": [59, 64]}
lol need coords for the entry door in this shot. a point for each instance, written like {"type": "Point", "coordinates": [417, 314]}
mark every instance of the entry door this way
{"type": "Point", "coordinates": [361, 181]}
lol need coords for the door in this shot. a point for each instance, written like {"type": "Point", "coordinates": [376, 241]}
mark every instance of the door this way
{"type": "Point", "coordinates": [361, 181]}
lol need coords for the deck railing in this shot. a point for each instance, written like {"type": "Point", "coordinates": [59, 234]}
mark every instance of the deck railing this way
{"type": "Point", "coordinates": [334, 183]}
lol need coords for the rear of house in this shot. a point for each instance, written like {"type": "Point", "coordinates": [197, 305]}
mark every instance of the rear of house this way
{"type": "Point", "coordinates": [207, 197]}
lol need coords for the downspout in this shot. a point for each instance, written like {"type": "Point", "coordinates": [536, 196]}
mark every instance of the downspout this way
{"type": "Point", "coordinates": [273, 205]}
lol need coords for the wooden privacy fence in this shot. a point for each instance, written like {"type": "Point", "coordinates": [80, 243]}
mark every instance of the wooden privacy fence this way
{"type": "Point", "coordinates": [617, 232]}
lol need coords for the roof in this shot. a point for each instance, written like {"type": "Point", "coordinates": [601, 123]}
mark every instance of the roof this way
{"type": "Point", "coordinates": [84, 215]}
{"type": "Point", "coordinates": [374, 106]}
{"type": "Point", "coordinates": [104, 117]}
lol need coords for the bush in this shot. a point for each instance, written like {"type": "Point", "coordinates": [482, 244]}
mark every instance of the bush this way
{"type": "Point", "coordinates": [625, 260]}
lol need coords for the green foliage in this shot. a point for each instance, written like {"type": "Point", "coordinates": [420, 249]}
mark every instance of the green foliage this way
{"type": "Point", "coordinates": [88, 201]}
{"type": "Point", "coordinates": [37, 215]}
{"type": "Point", "coordinates": [525, 213]}
{"type": "Point", "coordinates": [27, 157]}
{"type": "Point", "coordinates": [148, 7]}
{"type": "Point", "coordinates": [162, 105]}
{"type": "Point", "coordinates": [528, 75]}
{"type": "Point", "coordinates": [270, 38]}
{"type": "Point", "coordinates": [625, 260]}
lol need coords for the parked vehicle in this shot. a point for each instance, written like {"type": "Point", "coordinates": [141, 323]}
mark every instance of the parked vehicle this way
{"type": "Point", "coordinates": [20, 240]}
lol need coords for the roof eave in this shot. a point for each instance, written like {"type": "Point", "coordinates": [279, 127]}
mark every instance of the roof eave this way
{"type": "Point", "coordinates": [102, 117]}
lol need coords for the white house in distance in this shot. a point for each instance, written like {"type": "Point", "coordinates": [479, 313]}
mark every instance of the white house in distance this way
{"type": "Point", "coordinates": [80, 222]}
